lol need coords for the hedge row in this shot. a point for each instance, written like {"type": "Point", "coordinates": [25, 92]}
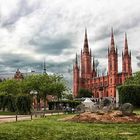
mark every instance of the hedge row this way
{"type": "Point", "coordinates": [129, 93]}
{"type": "Point", "coordinates": [21, 103]}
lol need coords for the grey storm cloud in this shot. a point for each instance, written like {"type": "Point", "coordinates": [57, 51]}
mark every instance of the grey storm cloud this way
{"type": "Point", "coordinates": [18, 61]}
{"type": "Point", "coordinates": [103, 51]}
{"type": "Point", "coordinates": [120, 26]}
{"type": "Point", "coordinates": [23, 62]}
{"type": "Point", "coordinates": [23, 9]}
{"type": "Point", "coordinates": [52, 46]}
{"type": "Point", "coordinates": [63, 67]}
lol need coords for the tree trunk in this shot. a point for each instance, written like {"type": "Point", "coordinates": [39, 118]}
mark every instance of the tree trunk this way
{"type": "Point", "coordinates": [45, 104]}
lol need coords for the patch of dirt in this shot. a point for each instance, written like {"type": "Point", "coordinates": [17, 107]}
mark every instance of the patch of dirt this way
{"type": "Point", "coordinates": [113, 117]}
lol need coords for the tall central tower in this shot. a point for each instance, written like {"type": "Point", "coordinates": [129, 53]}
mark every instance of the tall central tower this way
{"type": "Point", "coordinates": [112, 67]}
{"type": "Point", "coordinates": [86, 71]}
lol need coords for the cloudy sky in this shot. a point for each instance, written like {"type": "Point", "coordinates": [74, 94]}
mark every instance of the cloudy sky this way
{"type": "Point", "coordinates": [34, 30]}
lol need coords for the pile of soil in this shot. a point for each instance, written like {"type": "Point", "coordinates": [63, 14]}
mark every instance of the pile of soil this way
{"type": "Point", "coordinates": [113, 117]}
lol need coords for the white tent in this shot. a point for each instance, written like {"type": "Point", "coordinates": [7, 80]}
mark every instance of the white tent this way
{"type": "Point", "coordinates": [88, 103]}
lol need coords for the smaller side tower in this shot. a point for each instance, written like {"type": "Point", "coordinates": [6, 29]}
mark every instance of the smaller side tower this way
{"type": "Point", "coordinates": [126, 61]}
{"type": "Point", "coordinates": [75, 77]}
{"type": "Point", "coordinates": [94, 73]}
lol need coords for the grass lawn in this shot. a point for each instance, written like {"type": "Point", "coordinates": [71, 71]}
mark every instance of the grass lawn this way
{"type": "Point", "coordinates": [7, 113]}
{"type": "Point", "coordinates": [51, 129]}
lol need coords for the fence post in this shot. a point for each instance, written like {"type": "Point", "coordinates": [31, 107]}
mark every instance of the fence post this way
{"type": "Point", "coordinates": [16, 117]}
{"type": "Point", "coordinates": [31, 116]}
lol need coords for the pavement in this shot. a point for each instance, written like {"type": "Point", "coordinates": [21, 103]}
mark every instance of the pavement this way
{"type": "Point", "coordinates": [12, 118]}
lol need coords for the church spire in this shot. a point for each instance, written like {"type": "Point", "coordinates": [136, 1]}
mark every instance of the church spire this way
{"type": "Point", "coordinates": [86, 49]}
{"type": "Point", "coordinates": [76, 60]}
{"type": "Point", "coordinates": [44, 67]}
{"type": "Point", "coordinates": [125, 45]}
{"type": "Point", "coordinates": [93, 64]}
{"type": "Point", "coordinates": [112, 40]}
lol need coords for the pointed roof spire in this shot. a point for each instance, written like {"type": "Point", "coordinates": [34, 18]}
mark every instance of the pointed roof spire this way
{"type": "Point", "coordinates": [86, 42]}
{"type": "Point", "coordinates": [44, 67]}
{"type": "Point", "coordinates": [76, 60]}
{"type": "Point", "coordinates": [125, 45]}
{"type": "Point", "coordinates": [112, 38]}
{"type": "Point", "coordinates": [93, 64]}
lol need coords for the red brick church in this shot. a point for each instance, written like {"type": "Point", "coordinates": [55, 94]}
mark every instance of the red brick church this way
{"type": "Point", "coordinates": [85, 74]}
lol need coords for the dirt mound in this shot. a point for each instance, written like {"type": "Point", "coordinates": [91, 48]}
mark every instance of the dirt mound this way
{"type": "Point", "coordinates": [113, 117]}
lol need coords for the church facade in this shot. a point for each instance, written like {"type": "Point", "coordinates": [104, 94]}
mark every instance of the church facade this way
{"type": "Point", "coordinates": [85, 74]}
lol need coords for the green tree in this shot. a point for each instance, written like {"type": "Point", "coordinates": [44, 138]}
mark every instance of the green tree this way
{"type": "Point", "coordinates": [133, 80]}
{"type": "Point", "coordinates": [84, 93]}
{"type": "Point", "coordinates": [45, 88]}
{"type": "Point", "coordinates": [129, 94]}
{"type": "Point", "coordinates": [44, 85]}
{"type": "Point", "coordinates": [52, 85]}
{"type": "Point", "coordinates": [33, 83]}
{"type": "Point", "coordinates": [10, 86]}
{"type": "Point", "coordinates": [67, 96]}
{"type": "Point", "coordinates": [130, 90]}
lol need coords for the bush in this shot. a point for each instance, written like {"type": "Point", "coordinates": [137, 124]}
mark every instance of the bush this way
{"type": "Point", "coordinates": [11, 106]}
{"type": "Point", "coordinates": [7, 101]}
{"type": "Point", "coordinates": [24, 104]}
{"type": "Point", "coordinates": [129, 94]}
{"type": "Point", "coordinates": [2, 95]}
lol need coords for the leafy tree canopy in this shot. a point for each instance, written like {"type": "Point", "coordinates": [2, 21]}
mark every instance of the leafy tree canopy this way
{"type": "Point", "coordinates": [10, 86]}
{"type": "Point", "coordinates": [84, 93]}
{"type": "Point", "coordinates": [133, 80]}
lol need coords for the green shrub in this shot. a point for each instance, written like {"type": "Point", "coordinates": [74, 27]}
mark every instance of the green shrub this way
{"type": "Point", "coordinates": [23, 104]}
{"type": "Point", "coordinates": [11, 106]}
{"type": "Point", "coordinates": [130, 94]}
{"type": "Point", "coordinates": [7, 101]}
{"type": "Point", "coordinates": [2, 95]}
